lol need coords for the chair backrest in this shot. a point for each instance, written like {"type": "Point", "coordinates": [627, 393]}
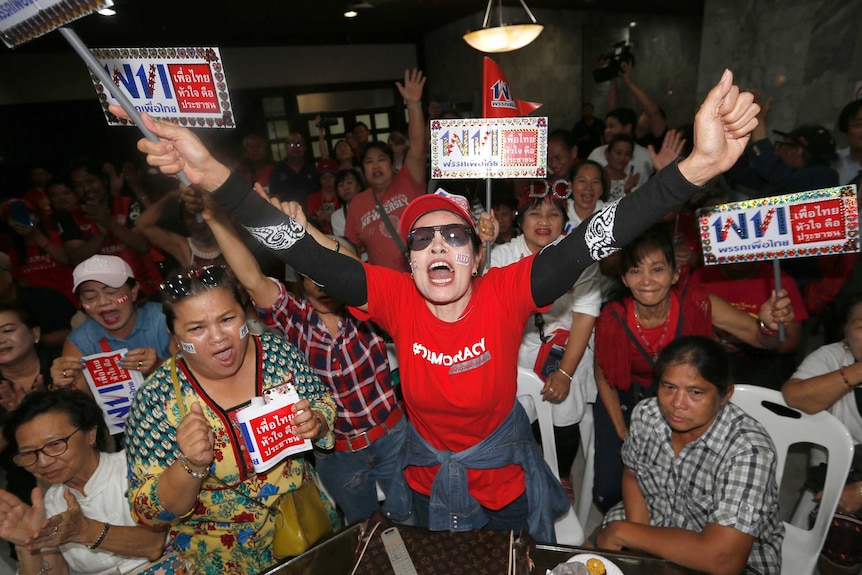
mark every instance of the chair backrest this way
{"type": "Point", "coordinates": [568, 529]}
{"type": "Point", "coordinates": [786, 427]}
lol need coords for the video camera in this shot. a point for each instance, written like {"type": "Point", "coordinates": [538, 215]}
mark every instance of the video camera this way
{"type": "Point", "coordinates": [611, 62]}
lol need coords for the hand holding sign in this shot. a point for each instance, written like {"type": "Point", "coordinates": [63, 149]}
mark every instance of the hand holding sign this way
{"type": "Point", "coordinates": [195, 439]}
{"type": "Point", "coordinates": [776, 310]}
{"type": "Point", "coordinates": [179, 149]}
{"type": "Point", "coordinates": [308, 423]}
{"type": "Point", "coordinates": [721, 131]}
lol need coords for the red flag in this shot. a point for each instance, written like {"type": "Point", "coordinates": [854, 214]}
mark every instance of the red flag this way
{"type": "Point", "coordinates": [497, 98]}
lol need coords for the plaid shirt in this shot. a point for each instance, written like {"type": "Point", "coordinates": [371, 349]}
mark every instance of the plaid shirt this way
{"type": "Point", "coordinates": [726, 477]}
{"type": "Point", "coordinates": [353, 363]}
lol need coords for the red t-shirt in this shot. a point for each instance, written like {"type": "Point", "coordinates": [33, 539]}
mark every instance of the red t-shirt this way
{"type": "Point", "coordinates": [41, 270]}
{"type": "Point", "coordinates": [459, 379]}
{"type": "Point", "coordinates": [316, 201]}
{"type": "Point", "coordinates": [364, 226]}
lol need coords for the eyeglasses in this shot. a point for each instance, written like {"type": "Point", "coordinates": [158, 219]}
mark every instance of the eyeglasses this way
{"type": "Point", "coordinates": [456, 235]}
{"type": "Point", "coordinates": [295, 144]}
{"type": "Point", "coordinates": [54, 448]}
{"type": "Point", "coordinates": [551, 189]}
{"type": "Point", "coordinates": [180, 285]}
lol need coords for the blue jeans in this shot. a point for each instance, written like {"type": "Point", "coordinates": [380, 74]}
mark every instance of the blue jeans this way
{"type": "Point", "coordinates": [352, 478]}
{"type": "Point", "coordinates": [512, 517]}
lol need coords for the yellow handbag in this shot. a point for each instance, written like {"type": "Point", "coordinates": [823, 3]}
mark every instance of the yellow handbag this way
{"type": "Point", "coordinates": [301, 520]}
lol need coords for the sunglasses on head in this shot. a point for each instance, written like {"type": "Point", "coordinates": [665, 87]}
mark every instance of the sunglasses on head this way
{"type": "Point", "coordinates": [552, 189]}
{"type": "Point", "coordinates": [180, 286]}
{"type": "Point", "coordinates": [456, 235]}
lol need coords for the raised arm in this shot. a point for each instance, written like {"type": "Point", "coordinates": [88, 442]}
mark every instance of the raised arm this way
{"type": "Point", "coordinates": [721, 132]}
{"type": "Point", "coordinates": [657, 122]}
{"type": "Point", "coordinates": [173, 243]}
{"type": "Point", "coordinates": [179, 149]}
{"type": "Point", "coordinates": [411, 91]}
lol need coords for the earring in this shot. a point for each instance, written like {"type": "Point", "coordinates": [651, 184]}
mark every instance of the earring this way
{"type": "Point", "coordinates": [475, 273]}
{"type": "Point", "coordinates": [37, 340]}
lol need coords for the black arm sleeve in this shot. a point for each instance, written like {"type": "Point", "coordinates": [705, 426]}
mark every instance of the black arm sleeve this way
{"type": "Point", "coordinates": [341, 276]}
{"type": "Point", "coordinates": [558, 266]}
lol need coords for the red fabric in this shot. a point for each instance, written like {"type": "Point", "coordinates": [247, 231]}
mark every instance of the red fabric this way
{"type": "Point", "coordinates": [749, 294]}
{"type": "Point", "coordinates": [498, 101]}
{"type": "Point", "coordinates": [834, 273]}
{"type": "Point", "coordinates": [146, 272]}
{"type": "Point", "coordinates": [41, 270]}
{"type": "Point", "coordinates": [364, 226]}
{"type": "Point", "coordinates": [316, 203]}
{"type": "Point", "coordinates": [455, 403]}
{"type": "Point", "coordinates": [623, 364]}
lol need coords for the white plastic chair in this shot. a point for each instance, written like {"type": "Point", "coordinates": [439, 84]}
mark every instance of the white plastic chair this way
{"type": "Point", "coordinates": [788, 426]}
{"type": "Point", "coordinates": [588, 444]}
{"type": "Point", "coordinates": [568, 529]}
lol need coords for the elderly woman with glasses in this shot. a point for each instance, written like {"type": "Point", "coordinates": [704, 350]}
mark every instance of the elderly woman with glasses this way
{"type": "Point", "coordinates": [189, 468]}
{"type": "Point", "coordinates": [82, 522]}
{"type": "Point", "coordinates": [471, 460]}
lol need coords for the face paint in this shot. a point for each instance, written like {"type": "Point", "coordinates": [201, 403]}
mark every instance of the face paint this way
{"type": "Point", "coordinates": [86, 306]}
{"type": "Point", "coordinates": [462, 259]}
{"type": "Point", "coordinates": [414, 265]}
{"type": "Point", "coordinates": [123, 299]}
{"type": "Point", "coordinates": [188, 347]}
{"type": "Point", "coordinates": [243, 330]}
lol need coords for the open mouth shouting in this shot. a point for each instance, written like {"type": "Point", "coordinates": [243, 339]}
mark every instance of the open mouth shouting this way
{"type": "Point", "coordinates": [110, 317]}
{"type": "Point", "coordinates": [441, 273]}
{"type": "Point", "coordinates": [225, 357]}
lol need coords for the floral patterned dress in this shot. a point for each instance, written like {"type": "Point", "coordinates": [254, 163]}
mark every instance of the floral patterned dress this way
{"type": "Point", "coordinates": [225, 532]}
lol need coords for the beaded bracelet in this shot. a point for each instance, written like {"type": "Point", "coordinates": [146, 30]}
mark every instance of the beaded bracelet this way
{"type": "Point", "coordinates": [101, 538]}
{"type": "Point", "coordinates": [44, 569]}
{"type": "Point", "coordinates": [844, 377]}
{"type": "Point", "coordinates": [192, 472]}
{"type": "Point", "coordinates": [563, 371]}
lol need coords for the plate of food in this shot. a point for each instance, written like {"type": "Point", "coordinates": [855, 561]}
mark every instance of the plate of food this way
{"type": "Point", "coordinates": [596, 564]}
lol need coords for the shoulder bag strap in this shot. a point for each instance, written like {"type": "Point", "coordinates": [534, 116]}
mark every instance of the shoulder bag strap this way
{"type": "Point", "coordinates": [388, 223]}
{"type": "Point", "coordinates": [632, 337]}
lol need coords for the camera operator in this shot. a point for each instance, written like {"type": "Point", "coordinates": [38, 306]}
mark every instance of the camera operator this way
{"type": "Point", "coordinates": [652, 124]}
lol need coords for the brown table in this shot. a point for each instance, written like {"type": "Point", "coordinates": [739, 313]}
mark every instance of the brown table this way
{"type": "Point", "coordinates": [335, 557]}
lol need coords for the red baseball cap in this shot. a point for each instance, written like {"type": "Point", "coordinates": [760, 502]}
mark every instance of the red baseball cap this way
{"type": "Point", "coordinates": [439, 200]}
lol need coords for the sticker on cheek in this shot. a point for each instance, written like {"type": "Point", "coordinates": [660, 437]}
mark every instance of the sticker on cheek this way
{"type": "Point", "coordinates": [462, 259]}
{"type": "Point", "coordinates": [86, 306]}
{"type": "Point", "coordinates": [122, 300]}
{"type": "Point", "coordinates": [243, 330]}
{"type": "Point", "coordinates": [188, 347]}
{"type": "Point", "coordinates": [414, 265]}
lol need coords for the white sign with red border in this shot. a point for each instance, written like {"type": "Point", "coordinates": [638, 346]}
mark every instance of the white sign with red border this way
{"type": "Point", "coordinates": [813, 223]}
{"type": "Point", "coordinates": [184, 85]}
{"type": "Point", "coordinates": [268, 431]}
{"type": "Point", "coordinates": [496, 148]}
{"type": "Point", "coordinates": [112, 386]}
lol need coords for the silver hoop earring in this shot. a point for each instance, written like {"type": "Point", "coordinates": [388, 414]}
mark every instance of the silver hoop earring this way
{"type": "Point", "coordinates": [475, 273]}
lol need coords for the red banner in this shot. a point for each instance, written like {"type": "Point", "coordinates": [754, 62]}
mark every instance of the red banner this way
{"type": "Point", "coordinates": [498, 101]}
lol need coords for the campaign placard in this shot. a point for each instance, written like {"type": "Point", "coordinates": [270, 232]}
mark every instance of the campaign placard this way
{"type": "Point", "coordinates": [268, 431]}
{"type": "Point", "coordinates": [186, 86]}
{"type": "Point", "coordinates": [494, 148]}
{"type": "Point", "coordinates": [804, 224]}
{"type": "Point", "coordinates": [112, 386]}
{"type": "Point", "coordinates": [23, 20]}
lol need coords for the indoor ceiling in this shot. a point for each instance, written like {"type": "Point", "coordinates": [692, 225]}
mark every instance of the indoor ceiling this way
{"type": "Point", "coordinates": [221, 23]}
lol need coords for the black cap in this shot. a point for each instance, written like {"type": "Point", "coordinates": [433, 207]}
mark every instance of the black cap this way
{"type": "Point", "coordinates": [817, 140]}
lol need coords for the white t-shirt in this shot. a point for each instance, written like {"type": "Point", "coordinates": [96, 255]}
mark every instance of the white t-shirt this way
{"type": "Point", "coordinates": [846, 167]}
{"type": "Point", "coordinates": [105, 501]}
{"type": "Point", "coordinates": [640, 160]}
{"type": "Point", "coordinates": [584, 297]}
{"type": "Point", "coordinates": [827, 359]}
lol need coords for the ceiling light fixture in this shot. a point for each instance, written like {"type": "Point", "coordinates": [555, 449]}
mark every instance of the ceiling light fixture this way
{"type": "Point", "coordinates": [503, 37]}
{"type": "Point", "coordinates": [351, 14]}
{"type": "Point", "coordinates": [107, 12]}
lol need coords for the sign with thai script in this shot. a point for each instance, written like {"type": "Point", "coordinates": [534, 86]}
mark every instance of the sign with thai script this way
{"type": "Point", "coordinates": [112, 386]}
{"type": "Point", "coordinates": [815, 223]}
{"type": "Point", "coordinates": [184, 85]}
{"type": "Point", "coordinates": [23, 20]}
{"type": "Point", "coordinates": [497, 148]}
{"type": "Point", "coordinates": [268, 431]}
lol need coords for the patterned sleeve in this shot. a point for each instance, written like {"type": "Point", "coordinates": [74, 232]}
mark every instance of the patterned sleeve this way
{"type": "Point", "coordinates": [558, 265]}
{"type": "Point", "coordinates": [151, 448]}
{"type": "Point", "coordinates": [742, 486]}
{"type": "Point", "coordinates": [638, 430]}
{"type": "Point", "coordinates": [278, 314]}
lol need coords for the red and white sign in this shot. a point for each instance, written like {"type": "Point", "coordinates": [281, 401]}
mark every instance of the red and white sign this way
{"type": "Point", "coordinates": [814, 223]}
{"type": "Point", "coordinates": [112, 386]}
{"type": "Point", "coordinates": [184, 85]}
{"type": "Point", "coordinates": [489, 148]}
{"type": "Point", "coordinates": [268, 431]}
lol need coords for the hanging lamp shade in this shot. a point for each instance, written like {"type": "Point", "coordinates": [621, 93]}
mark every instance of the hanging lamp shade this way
{"type": "Point", "coordinates": [503, 37]}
